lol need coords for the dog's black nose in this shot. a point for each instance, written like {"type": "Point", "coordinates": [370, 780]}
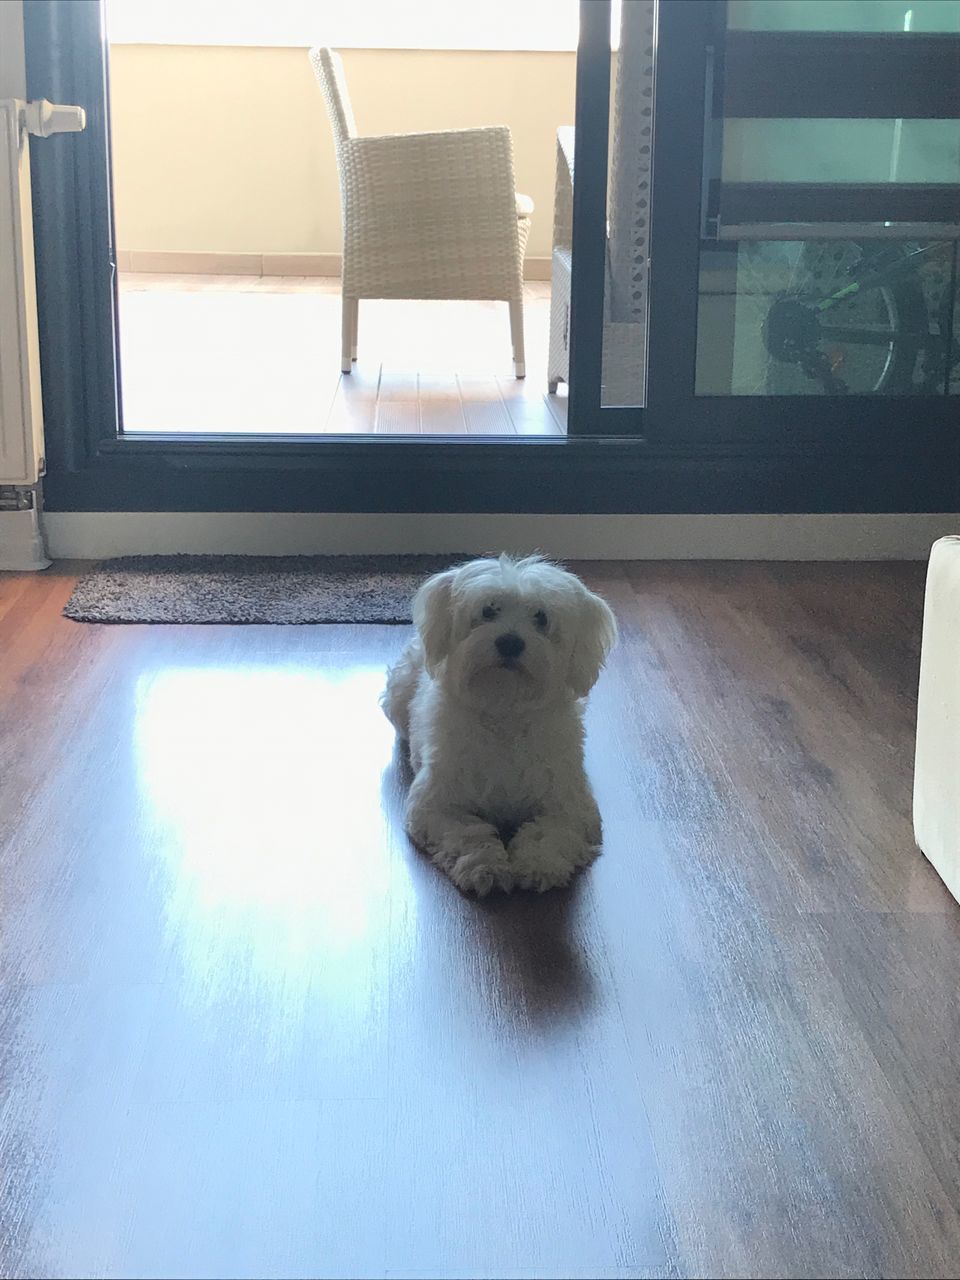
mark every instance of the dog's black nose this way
{"type": "Point", "coordinates": [510, 645]}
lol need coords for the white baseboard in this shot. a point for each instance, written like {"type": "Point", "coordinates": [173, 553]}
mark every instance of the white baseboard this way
{"type": "Point", "coordinates": [21, 543]}
{"type": "Point", "coordinates": [300, 264]}
{"type": "Point", "coordinates": [188, 262]}
{"type": "Point", "coordinates": [197, 262]}
{"type": "Point", "coordinates": [96, 534]}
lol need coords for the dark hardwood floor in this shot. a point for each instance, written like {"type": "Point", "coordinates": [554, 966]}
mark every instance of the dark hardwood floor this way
{"type": "Point", "coordinates": [246, 1031]}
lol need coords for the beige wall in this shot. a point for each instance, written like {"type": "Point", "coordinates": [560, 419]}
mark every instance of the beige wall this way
{"type": "Point", "coordinates": [229, 149]}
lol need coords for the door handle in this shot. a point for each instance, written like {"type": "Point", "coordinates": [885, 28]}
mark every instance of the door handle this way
{"type": "Point", "coordinates": [43, 118]}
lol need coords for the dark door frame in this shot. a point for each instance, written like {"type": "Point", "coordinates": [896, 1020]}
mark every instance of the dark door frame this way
{"type": "Point", "coordinates": [679, 454]}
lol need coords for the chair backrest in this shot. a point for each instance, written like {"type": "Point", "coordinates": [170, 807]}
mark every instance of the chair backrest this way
{"type": "Point", "coordinates": [328, 68]}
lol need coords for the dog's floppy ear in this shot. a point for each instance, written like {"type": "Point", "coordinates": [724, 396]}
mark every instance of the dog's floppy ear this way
{"type": "Point", "coordinates": [433, 618]}
{"type": "Point", "coordinates": [595, 634]}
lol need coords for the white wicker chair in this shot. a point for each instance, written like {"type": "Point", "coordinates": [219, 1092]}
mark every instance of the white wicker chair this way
{"type": "Point", "coordinates": [625, 294]}
{"type": "Point", "coordinates": [425, 215]}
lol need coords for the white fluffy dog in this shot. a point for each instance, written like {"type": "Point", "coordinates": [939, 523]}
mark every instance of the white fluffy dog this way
{"type": "Point", "coordinates": [488, 695]}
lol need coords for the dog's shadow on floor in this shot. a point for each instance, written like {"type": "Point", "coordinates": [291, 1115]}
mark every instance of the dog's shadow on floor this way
{"type": "Point", "coordinates": [530, 944]}
{"type": "Point", "coordinates": [542, 970]}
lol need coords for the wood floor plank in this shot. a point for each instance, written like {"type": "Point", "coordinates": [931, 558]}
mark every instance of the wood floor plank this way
{"type": "Point", "coordinates": [441, 409]}
{"type": "Point", "coordinates": [557, 404]}
{"type": "Point", "coordinates": [398, 417]}
{"type": "Point", "coordinates": [528, 409]}
{"type": "Point", "coordinates": [246, 1029]}
{"type": "Point", "coordinates": [354, 407]}
{"type": "Point", "coordinates": [483, 408]}
{"type": "Point", "coordinates": [398, 384]}
{"type": "Point", "coordinates": [398, 408]}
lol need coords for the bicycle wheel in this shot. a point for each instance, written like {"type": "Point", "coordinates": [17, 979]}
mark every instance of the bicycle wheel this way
{"type": "Point", "coordinates": [866, 342]}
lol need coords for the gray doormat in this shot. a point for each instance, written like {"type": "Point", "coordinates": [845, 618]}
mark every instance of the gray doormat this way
{"type": "Point", "coordinates": [265, 589]}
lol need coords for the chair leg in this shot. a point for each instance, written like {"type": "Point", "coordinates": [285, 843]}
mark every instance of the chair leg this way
{"type": "Point", "coordinates": [356, 328]}
{"type": "Point", "coordinates": [348, 333]}
{"type": "Point", "coordinates": [552, 386]}
{"type": "Point", "coordinates": [516, 334]}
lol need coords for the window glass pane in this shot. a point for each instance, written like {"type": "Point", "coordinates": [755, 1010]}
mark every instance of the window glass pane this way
{"type": "Point", "coordinates": [844, 15]}
{"type": "Point", "coordinates": [827, 317]}
{"type": "Point", "coordinates": [841, 151]}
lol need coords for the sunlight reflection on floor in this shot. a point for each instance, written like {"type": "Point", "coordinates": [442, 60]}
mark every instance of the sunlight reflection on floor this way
{"type": "Point", "coordinates": [266, 784]}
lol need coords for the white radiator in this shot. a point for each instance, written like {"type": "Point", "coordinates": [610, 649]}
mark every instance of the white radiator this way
{"type": "Point", "coordinates": [21, 414]}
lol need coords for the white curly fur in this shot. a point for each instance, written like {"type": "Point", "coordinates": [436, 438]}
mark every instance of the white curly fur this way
{"type": "Point", "coordinates": [500, 797]}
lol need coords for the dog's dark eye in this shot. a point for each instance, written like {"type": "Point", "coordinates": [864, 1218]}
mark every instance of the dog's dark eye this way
{"type": "Point", "coordinates": [489, 612]}
{"type": "Point", "coordinates": [540, 620]}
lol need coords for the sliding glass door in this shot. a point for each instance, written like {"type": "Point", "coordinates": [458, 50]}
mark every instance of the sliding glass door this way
{"type": "Point", "coordinates": [795, 284]}
{"type": "Point", "coordinates": [753, 303]}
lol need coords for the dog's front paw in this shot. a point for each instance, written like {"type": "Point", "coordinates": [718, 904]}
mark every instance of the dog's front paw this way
{"type": "Point", "coordinates": [533, 874]}
{"type": "Point", "coordinates": [544, 855]}
{"type": "Point", "coordinates": [482, 869]}
{"type": "Point", "coordinates": [475, 859]}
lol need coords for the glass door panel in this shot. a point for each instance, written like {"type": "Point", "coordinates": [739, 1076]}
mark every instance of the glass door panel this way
{"type": "Point", "coordinates": [828, 262]}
